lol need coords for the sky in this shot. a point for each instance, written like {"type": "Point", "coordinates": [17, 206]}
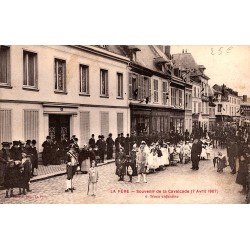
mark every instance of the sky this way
{"type": "Point", "coordinates": [228, 64]}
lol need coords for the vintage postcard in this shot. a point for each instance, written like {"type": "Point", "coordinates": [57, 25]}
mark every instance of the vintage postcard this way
{"type": "Point", "coordinates": [124, 124]}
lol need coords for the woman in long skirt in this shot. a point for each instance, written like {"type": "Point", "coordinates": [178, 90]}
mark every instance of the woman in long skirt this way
{"type": "Point", "coordinates": [84, 160]}
{"type": "Point", "coordinates": [121, 164]}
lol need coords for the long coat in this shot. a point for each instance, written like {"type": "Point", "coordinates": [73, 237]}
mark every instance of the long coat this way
{"type": "Point", "coordinates": [120, 162]}
{"type": "Point", "coordinates": [242, 173]}
{"type": "Point", "coordinates": [4, 158]}
{"type": "Point", "coordinates": [196, 151]}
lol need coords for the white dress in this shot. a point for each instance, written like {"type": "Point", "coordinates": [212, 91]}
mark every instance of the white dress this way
{"type": "Point", "coordinates": [204, 152]}
{"type": "Point", "coordinates": [165, 156]}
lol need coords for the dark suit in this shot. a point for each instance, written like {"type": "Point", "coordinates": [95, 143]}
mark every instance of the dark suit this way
{"type": "Point", "coordinates": [195, 154]}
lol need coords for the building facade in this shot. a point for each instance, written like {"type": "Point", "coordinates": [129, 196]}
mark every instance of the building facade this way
{"type": "Point", "coordinates": [62, 91]}
{"type": "Point", "coordinates": [227, 104]}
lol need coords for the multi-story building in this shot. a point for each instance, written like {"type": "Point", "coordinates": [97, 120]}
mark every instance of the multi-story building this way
{"type": "Point", "coordinates": [245, 111]}
{"type": "Point", "coordinates": [62, 90]}
{"type": "Point", "coordinates": [227, 104]}
{"type": "Point", "coordinates": [156, 96]}
{"type": "Point", "coordinates": [197, 78]}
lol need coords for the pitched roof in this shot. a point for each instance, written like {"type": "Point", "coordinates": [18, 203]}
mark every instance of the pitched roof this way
{"type": "Point", "coordinates": [186, 60]}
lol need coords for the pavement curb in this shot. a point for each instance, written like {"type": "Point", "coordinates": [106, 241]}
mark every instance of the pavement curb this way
{"type": "Point", "coordinates": [48, 176]}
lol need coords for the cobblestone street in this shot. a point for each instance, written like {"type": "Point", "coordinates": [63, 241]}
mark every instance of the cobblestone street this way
{"type": "Point", "coordinates": [205, 186]}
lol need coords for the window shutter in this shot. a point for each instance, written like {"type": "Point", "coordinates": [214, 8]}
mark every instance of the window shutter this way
{"type": "Point", "coordinates": [149, 89]}
{"type": "Point", "coordinates": [31, 125]}
{"type": "Point", "coordinates": [130, 90]}
{"type": "Point", "coordinates": [84, 127]}
{"type": "Point", "coordinates": [105, 123]}
{"type": "Point", "coordinates": [119, 123]}
{"type": "Point", "coordinates": [140, 87]}
{"type": "Point", "coordinates": [5, 126]}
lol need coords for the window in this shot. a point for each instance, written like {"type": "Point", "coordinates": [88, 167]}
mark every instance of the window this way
{"type": "Point", "coordinates": [60, 75]}
{"type": "Point", "coordinates": [173, 96]}
{"type": "Point", "coordinates": [29, 69]}
{"type": "Point", "coordinates": [4, 65]}
{"type": "Point", "coordinates": [180, 98]}
{"type": "Point", "coordinates": [194, 95]}
{"type": "Point", "coordinates": [119, 85]}
{"type": "Point", "coordinates": [5, 125]}
{"type": "Point", "coordinates": [165, 94]}
{"type": "Point", "coordinates": [84, 127]}
{"type": "Point", "coordinates": [199, 107]}
{"type": "Point", "coordinates": [119, 123]}
{"type": "Point", "coordinates": [104, 82]}
{"type": "Point", "coordinates": [133, 94]}
{"type": "Point", "coordinates": [219, 107]}
{"type": "Point", "coordinates": [194, 107]}
{"type": "Point", "coordinates": [104, 123]}
{"type": "Point", "coordinates": [156, 91]}
{"type": "Point", "coordinates": [84, 79]}
{"type": "Point", "coordinates": [31, 125]}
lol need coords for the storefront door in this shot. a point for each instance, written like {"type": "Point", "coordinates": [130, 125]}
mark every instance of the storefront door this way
{"type": "Point", "coordinates": [59, 126]}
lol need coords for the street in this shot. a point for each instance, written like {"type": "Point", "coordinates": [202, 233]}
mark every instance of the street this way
{"type": "Point", "coordinates": [175, 185]}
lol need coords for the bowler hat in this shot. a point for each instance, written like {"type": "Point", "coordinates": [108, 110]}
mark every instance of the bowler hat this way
{"type": "Point", "coordinates": [5, 144]}
{"type": "Point", "coordinates": [16, 143]}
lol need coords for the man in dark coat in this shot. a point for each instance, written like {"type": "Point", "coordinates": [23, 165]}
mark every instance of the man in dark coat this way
{"type": "Point", "coordinates": [127, 145]}
{"type": "Point", "coordinates": [117, 143]}
{"type": "Point", "coordinates": [195, 153]}
{"type": "Point", "coordinates": [102, 148]}
{"type": "Point", "coordinates": [232, 153]}
{"type": "Point", "coordinates": [110, 143]}
{"type": "Point", "coordinates": [34, 157]}
{"type": "Point", "coordinates": [122, 142]}
{"type": "Point", "coordinates": [46, 156]}
{"type": "Point", "coordinates": [64, 148]}
{"type": "Point", "coordinates": [92, 141]}
{"type": "Point", "coordinates": [243, 171]}
{"type": "Point", "coordinates": [15, 151]}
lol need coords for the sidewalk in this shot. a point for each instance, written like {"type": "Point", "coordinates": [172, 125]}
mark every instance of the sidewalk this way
{"type": "Point", "coordinates": [45, 172]}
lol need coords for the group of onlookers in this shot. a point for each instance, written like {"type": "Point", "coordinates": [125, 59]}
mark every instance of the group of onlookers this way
{"type": "Point", "coordinates": [17, 165]}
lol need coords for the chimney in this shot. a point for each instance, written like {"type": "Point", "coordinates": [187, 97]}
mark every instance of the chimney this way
{"type": "Point", "coordinates": [167, 51]}
{"type": "Point", "coordinates": [183, 51]}
{"type": "Point", "coordinates": [244, 98]}
{"type": "Point", "coordinates": [186, 50]}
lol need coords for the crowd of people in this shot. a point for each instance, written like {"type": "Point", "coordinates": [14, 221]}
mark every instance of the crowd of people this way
{"type": "Point", "coordinates": [17, 165]}
{"type": "Point", "coordinates": [135, 156]}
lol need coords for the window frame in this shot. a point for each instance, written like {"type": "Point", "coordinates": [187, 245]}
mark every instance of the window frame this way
{"type": "Point", "coordinates": [156, 90]}
{"type": "Point", "coordinates": [7, 84]}
{"type": "Point", "coordinates": [86, 67]}
{"type": "Point", "coordinates": [26, 57]}
{"type": "Point", "coordinates": [56, 90]}
{"type": "Point", "coordinates": [106, 83]}
{"type": "Point", "coordinates": [119, 75]}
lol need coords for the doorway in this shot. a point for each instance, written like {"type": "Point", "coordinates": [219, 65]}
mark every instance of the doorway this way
{"type": "Point", "coordinates": [59, 127]}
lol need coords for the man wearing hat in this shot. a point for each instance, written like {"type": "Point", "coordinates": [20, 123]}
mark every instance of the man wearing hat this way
{"type": "Point", "coordinates": [15, 151]}
{"type": "Point", "coordinates": [110, 144]}
{"type": "Point", "coordinates": [71, 166]}
{"type": "Point", "coordinates": [102, 148]}
{"type": "Point", "coordinates": [47, 149]}
{"type": "Point", "coordinates": [195, 153]}
{"type": "Point", "coordinates": [92, 141]}
{"type": "Point", "coordinates": [117, 143]}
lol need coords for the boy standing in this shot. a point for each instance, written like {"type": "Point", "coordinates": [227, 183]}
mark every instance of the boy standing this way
{"type": "Point", "coordinates": [93, 179]}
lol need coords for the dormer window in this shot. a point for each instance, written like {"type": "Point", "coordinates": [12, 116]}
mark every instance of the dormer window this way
{"type": "Point", "coordinates": [103, 46]}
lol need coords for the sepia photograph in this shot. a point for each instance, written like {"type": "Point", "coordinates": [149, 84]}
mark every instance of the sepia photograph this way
{"type": "Point", "coordinates": [124, 124]}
